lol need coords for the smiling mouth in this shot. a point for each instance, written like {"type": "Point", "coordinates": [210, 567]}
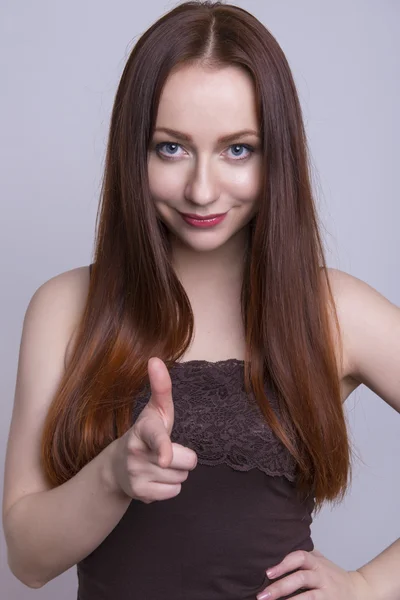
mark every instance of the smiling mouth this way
{"type": "Point", "coordinates": [202, 218]}
{"type": "Point", "coordinates": [203, 222]}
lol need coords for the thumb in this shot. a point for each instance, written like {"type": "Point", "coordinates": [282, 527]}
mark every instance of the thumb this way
{"type": "Point", "coordinates": [161, 391]}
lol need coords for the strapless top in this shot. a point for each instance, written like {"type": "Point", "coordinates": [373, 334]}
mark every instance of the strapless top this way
{"type": "Point", "coordinates": [237, 513]}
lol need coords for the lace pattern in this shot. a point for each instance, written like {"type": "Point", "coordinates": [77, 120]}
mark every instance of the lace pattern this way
{"type": "Point", "coordinates": [216, 418]}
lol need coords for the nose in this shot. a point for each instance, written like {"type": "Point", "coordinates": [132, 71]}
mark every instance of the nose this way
{"type": "Point", "coordinates": [202, 188]}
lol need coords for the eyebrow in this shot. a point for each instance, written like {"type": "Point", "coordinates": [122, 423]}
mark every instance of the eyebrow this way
{"type": "Point", "coordinates": [221, 140]}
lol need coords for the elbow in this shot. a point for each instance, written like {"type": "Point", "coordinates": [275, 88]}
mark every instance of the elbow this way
{"type": "Point", "coordinates": [28, 572]}
{"type": "Point", "coordinates": [19, 569]}
{"type": "Point", "coordinates": [21, 575]}
{"type": "Point", "coordinates": [16, 558]}
{"type": "Point", "coordinates": [33, 585]}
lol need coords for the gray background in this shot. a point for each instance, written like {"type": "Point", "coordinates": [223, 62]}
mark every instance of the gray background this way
{"type": "Point", "coordinates": [60, 66]}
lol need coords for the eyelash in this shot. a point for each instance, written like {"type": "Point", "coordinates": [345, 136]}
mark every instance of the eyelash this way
{"type": "Point", "coordinates": [251, 149]}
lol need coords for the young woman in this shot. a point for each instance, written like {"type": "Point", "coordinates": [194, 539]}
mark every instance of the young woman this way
{"type": "Point", "coordinates": [178, 413]}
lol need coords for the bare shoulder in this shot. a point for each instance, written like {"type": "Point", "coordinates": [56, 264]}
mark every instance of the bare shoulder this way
{"type": "Point", "coordinates": [68, 291]}
{"type": "Point", "coordinates": [342, 284]}
{"type": "Point", "coordinates": [370, 325]}
{"type": "Point", "coordinates": [73, 283]}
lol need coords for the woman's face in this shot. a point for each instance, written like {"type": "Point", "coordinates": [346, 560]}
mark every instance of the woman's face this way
{"type": "Point", "coordinates": [202, 175]}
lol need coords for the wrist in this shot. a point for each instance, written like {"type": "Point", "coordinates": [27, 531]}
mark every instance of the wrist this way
{"type": "Point", "coordinates": [107, 472]}
{"type": "Point", "coordinates": [363, 589]}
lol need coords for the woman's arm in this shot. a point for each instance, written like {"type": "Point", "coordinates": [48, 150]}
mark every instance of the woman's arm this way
{"type": "Point", "coordinates": [48, 530]}
{"type": "Point", "coordinates": [371, 324]}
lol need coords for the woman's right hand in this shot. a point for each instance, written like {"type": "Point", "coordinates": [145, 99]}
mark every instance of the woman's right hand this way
{"type": "Point", "coordinates": [146, 465]}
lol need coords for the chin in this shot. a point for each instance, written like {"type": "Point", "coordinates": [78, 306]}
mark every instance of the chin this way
{"type": "Point", "coordinates": [204, 243]}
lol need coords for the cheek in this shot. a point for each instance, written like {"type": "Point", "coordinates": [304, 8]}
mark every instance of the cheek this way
{"type": "Point", "coordinates": [245, 191]}
{"type": "Point", "coordinates": [245, 183]}
{"type": "Point", "coordinates": [164, 183]}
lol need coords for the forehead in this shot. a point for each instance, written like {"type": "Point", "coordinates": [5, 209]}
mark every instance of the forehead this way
{"type": "Point", "coordinates": [194, 98]}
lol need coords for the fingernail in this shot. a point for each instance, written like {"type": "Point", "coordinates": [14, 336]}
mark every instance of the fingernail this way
{"type": "Point", "coordinates": [271, 573]}
{"type": "Point", "coordinates": [264, 596]}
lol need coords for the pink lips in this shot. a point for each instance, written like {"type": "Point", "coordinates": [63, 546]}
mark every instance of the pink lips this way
{"type": "Point", "coordinates": [199, 217]}
{"type": "Point", "coordinates": [203, 222]}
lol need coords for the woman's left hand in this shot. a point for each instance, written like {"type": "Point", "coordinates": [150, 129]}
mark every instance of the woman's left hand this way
{"type": "Point", "coordinates": [323, 579]}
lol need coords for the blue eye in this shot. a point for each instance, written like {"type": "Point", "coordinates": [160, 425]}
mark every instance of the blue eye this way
{"type": "Point", "coordinates": [250, 150]}
{"type": "Point", "coordinates": [158, 147]}
{"type": "Point", "coordinates": [165, 144]}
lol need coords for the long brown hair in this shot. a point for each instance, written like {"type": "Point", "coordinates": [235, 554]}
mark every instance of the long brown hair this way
{"type": "Point", "coordinates": [136, 306]}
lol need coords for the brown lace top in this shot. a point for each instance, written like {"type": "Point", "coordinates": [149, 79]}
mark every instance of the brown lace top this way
{"type": "Point", "coordinates": [215, 418]}
{"type": "Point", "coordinates": [237, 513]}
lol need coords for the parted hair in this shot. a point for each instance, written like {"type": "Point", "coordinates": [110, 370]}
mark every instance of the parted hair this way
{"type": "Point", "coordinates": [136, 306]}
